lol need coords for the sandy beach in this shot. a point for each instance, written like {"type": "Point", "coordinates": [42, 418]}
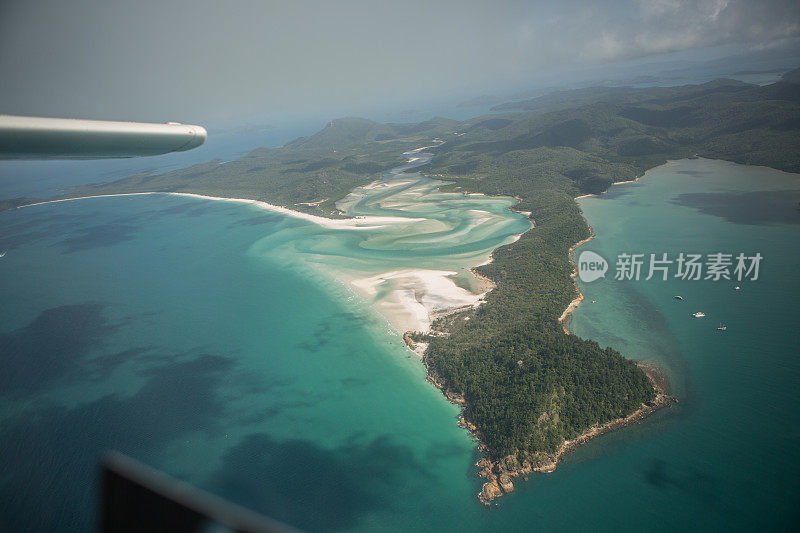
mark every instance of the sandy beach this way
{"type": "Point", "coordinates": [411, 298]}
{"type": "Point", "coordinates": [573, 305]}
{"type": "Point", "coordinates": [356, 223]}
{"type": "Point", "coordinates": [415, 297]}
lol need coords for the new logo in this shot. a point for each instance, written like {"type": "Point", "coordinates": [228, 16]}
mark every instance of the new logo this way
{"type": "Point", "coordinates": [591, 266]}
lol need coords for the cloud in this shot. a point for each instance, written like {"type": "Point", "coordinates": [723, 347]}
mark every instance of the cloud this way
{"type": "Point", "coordinates": [201, 59]}
{"type": "Point", "coordinates": [661, 26]}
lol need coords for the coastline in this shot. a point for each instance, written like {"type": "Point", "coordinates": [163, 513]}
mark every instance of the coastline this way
{"type": "Point", "coordinates": [404, 314]}
{"type": "Point", "coordinates": [573, 305]}
{"type": "Point", "coordinates": [428, 293]}
{"type": "Point", "coordinates": [500, 474]}
{"type": "Point", "coordinates": [355, 223]}
{"type": "Point", "coordinates": [565, 317]}
{"type": "Point", "coordinates": [420, 297]}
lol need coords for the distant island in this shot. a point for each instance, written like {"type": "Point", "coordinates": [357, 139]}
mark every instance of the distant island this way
{"type": "Point", "coordinates": [530, 390]}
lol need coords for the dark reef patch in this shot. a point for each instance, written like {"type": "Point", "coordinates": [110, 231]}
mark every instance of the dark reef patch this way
{"type": "Point", "coordinates": [753, 208]}
{"type": "Point", "coordinates": [311, 487]}
{"type": "Point", "coordinates": [49, 457]}
{"type": "Point", "coordinates": [349, 321]}
{"type": "Point", "coordinates": [53, 345]}
{"type": "Point", "coordinates": [354, 382]}
{"type": "Point", "coordinates": [319, 338]}
{"type": "Point", "coordinates": [9, 240]}
{"type": "Point", "coordinates": [101, 367]}
{"type": "Point", "coordinates": [31, 229]}
{"type": "Point", "coordinates": [666, 477]}
{"type": "Point", "coordinates": [100, 236]}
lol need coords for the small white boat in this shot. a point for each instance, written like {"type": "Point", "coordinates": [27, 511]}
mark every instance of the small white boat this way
{"type": "Point", "coordinates": [698, 314]}
{"type": "Point", "coordinates": [737, 288]}
{"type": "Point", "coordinates": [722, 327]}
{"type": "Point", "coordinates": [678, 297]}
{"type": "Point", "coordinates": [3, 254]}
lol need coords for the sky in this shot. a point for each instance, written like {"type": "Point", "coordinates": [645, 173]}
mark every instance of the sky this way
{"type": "Point", "coordinates": [203, 60]}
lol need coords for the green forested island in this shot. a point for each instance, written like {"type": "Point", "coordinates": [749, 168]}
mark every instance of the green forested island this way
{"type": "Point", "coordinates": [525, 383]}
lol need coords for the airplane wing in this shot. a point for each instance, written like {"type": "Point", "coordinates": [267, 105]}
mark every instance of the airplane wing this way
{"type": "Point", "coordinates": [64, 138]}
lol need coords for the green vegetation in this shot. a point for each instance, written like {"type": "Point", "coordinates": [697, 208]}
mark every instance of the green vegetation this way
{"type": "Point", "coordinates": [527, 384]}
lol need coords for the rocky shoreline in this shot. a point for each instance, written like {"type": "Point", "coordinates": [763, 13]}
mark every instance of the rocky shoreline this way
{"type": "Point", "coordinates": [573, 305]}
{"type": "Point", "coordinates": [500, 474]}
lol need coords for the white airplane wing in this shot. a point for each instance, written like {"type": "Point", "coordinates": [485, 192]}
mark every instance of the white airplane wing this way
{"type": "Point", "coordinates": [64, 138]}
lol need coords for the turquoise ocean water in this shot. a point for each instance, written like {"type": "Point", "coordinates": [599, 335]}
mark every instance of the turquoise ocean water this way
{"type": "Point", "coordinates": [193, 335]}
{"type": "Point", "coordinates": [728, 455]}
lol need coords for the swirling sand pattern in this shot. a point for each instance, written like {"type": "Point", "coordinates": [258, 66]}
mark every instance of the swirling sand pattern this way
{"type": "Point", "coordinates": [416, 262]}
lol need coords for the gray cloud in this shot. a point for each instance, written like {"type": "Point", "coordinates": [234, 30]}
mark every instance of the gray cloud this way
{"type": "Point", "coordinates": [201, 59]}
{"type": "Point", "coordinates": [659, 26]}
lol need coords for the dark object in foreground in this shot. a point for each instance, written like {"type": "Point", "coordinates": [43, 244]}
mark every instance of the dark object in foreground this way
{"type": "Point", "coordinates": [138, 498]}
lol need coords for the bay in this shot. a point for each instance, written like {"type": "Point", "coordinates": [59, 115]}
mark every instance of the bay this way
{"type": "Point", "coordinates": [205, 339]}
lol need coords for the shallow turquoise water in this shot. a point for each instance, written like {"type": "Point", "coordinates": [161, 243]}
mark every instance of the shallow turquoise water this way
{"type": "Point", "coordinates": [210, 340]}
{"type": "Point", "coordinates": [728, 456]}
{"type": "Point", "coordinates": [175, 344]}
{"type": "Point", "coordinates": [165, 327]}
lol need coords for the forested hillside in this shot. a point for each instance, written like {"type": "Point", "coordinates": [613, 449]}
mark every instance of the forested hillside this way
{"type": "Point", "coordinates": [527, 384]}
